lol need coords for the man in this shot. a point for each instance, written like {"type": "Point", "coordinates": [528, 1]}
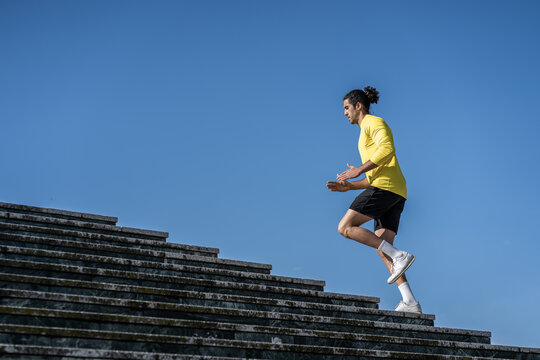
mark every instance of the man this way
{"type": "Point", "coordinates": [384, 196]}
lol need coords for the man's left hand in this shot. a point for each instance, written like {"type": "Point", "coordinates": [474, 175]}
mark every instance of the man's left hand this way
{"type": "Point", "coordinates": [352, 173]}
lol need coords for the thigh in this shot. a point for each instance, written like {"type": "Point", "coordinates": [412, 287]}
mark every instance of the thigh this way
{"type": "Point", "coordinates": [354, 218]}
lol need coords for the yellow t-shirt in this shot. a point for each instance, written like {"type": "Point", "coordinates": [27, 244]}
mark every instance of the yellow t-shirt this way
{"type": "Point", "coordinates": [376, 143]}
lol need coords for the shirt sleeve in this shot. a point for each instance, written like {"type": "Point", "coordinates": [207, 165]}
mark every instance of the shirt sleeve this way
{"type": "Point", "coordinates": [379, 131]}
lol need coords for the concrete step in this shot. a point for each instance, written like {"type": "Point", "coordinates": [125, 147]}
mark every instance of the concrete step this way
{"type": "Point", "coordinates": [114, 340]}
{"type": "Point", "coordinates": [76, 286]}
{"type": "Point", "coordinates": [117, 277]}
{"type": "Point", "coordinates": [113, 240]}
{"type": "Point", "coordinates": [32, 352]}
{"type": "Point", "coordinates": [50, 300]}
{"type": "Point", "coordinates": [60, 214]}
{"type": "Point", "coordinates": [66, 224]}
{"type": "Point", "coordinates": [211, 300]}
{"type": "Point", "coordinates": [81, 247]}
{"type": "Point", "coordinates": [23, 315]}
{"type": "Point", "coordinates": [266, 334]}
{"type": "Point", "coordinates": [152, 267]}
{"type": "Point", "coordinates": [86, 288]}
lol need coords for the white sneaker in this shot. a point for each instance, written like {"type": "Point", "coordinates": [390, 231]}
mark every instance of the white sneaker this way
{"type": "Point", "coordinates": [400, 265]}
{"type": "Point", "coordinates": [414, 308]}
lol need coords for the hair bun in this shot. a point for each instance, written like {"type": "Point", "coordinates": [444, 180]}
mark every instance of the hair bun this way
{"type": "Point", "coordinates": [372, 94]}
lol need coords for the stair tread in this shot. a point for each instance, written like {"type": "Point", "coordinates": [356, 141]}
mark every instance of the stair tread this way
{"type": "Point", "coordinates": [81, 224]}
{"type": "Point", "coordinates": [19, 279]}
{"type": "Point", "coordinates": [152, 320]}
{"type": "Point", "coordinates": [104, 237]}
{"type": "Point", "coordinates": [176, 279]}
{"type": "Point", "coordinates": [142, 304]}
{"type": "Point", "coordinates": [87, 353]}
{"type": "Point", "coordinates": [199, 341]}
{"type": "Point", "coordinates": [157, 265]}
{"type": "Point", "coordinates": [112, 248]}
{"type": "Point", "coordinates": [44, 210]}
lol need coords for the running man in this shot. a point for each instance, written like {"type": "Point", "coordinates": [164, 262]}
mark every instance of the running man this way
{"type": "Point", "coordinates": [384, 196]}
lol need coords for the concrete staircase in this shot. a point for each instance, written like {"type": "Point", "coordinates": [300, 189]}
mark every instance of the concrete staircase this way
{"type": "Point", "coordinates": [76, 286]}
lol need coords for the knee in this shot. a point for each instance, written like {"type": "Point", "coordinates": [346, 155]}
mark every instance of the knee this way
{"type": "Point", "coordinates": [344, 229]}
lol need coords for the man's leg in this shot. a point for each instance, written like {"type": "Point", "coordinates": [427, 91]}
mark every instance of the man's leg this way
{"type": "Point", "coordinates": [389, 236]}
{"type": "Point", "coordinates": [411, 304]}
{"type": "Point", "coordinates": [349, 226]}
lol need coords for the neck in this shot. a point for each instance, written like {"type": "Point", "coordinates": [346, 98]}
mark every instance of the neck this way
{"type": "Point", "coordinates": [362, 115]}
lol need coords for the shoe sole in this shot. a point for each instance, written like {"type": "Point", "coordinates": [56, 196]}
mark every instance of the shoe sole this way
{"type": "Point", "coordinates": [409, 311]}
{"type": "Point", "coordinates": [403, 272]}
{"type": "Point", "coordinates": [412, 312]}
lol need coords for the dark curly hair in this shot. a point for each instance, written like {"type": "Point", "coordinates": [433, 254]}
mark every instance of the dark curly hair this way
{"type": "Point", "coordinates": [366, 97]}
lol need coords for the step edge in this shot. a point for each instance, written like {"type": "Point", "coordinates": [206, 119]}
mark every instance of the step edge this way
{"type": "Point", "coordinates": [90, 235]}
{"type": "Point", "coordinates": [229, 342]}
{"type": "Point", "coordinates": [162, 266]}
{"type": "Point", "coordinates": [287, 303]}
{"type": "Point", "coordinates": [162, 254]}
{"type": "Point", "coordinates": [163, 278]}
{"type": "Point", "coordinates": [81, 224]}
{"type": "Point", "coordinates": [45, 210]}
{"type": "Point", "coordinates": [100, 353]}
{"type": "Point", "coordinates": [152, 320]}
{"type": "Point", "coordinates": [201, 309]}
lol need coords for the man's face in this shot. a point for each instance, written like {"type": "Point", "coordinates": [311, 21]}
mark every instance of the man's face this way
{"type": "Point", "coordinates": [352, 112]}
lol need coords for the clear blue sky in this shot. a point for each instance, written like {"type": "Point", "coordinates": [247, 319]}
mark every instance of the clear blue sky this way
{"type": "Point", "coordinates": [221, 121]}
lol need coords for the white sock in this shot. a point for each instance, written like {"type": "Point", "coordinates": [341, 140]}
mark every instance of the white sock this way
{"type": "Point", "coordinates": [406, 294]}
{"type": "Point", "coordinates": [389, 250]}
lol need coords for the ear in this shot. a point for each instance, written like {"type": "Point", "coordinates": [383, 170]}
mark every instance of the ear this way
{"type": "Point", "coordinates": [358, 106]}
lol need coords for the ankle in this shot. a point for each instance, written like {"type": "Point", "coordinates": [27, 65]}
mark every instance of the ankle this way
{"type": "Point", "coordinates": [406, 294]}
{"type": "Point", "coordinates": [390, 250]}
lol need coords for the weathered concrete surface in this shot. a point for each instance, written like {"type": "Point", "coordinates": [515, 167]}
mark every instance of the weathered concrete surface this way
{"type": "Point", "coordinates": [74, 285]}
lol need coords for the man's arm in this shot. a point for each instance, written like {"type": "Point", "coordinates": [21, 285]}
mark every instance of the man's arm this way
{"type": "Point", "coordinates": [368, 165]}
{"type": "Point", "coordinates": [354, 172]}
{"type": "Point", "coordinates": [384, 141]}
{"type": "Point", "coordinates": [346, 186]}
{"type": "Point", "coordinates": [360, 184]}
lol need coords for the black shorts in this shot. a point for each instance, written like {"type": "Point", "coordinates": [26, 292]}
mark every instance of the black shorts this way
{"type": "Point", "coordinates": [383, 206]}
